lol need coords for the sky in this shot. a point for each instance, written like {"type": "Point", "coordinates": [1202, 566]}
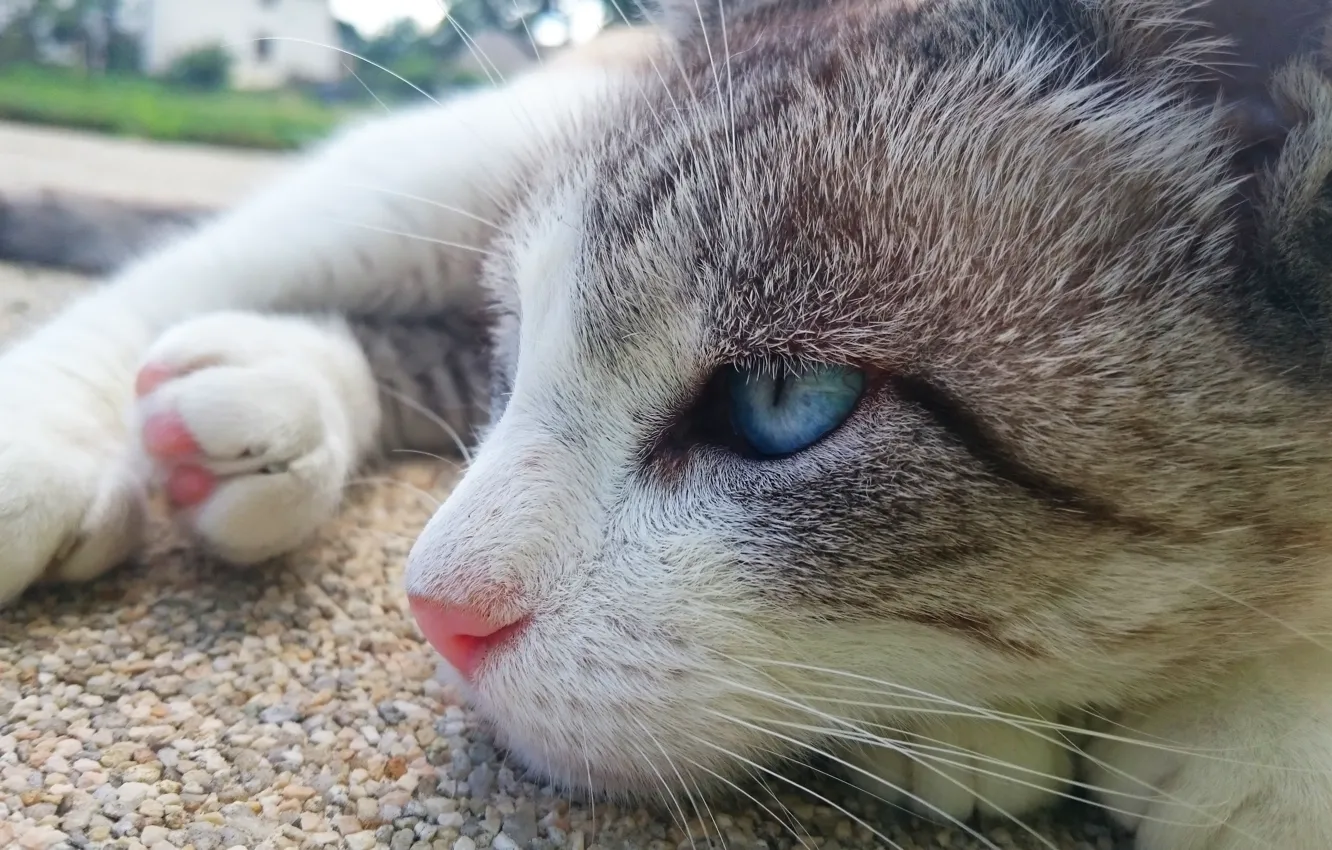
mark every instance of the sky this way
{"type": "Point", "coordinates": [583, 18]}
{"type": "Point", "coordinates": [372, 16]}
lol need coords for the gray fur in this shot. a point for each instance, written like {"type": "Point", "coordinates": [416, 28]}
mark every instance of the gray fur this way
{"type": "Point", "coordinates": [433, 371]}
{"type": "Point", "coordinates": [83, 233]}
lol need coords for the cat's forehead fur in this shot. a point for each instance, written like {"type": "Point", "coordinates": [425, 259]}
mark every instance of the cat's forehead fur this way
{"type": "Point", "coordinates": [831, 184]}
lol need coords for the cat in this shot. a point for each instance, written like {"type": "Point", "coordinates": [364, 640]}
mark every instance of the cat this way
{"type": "Point", "coordinates": [896, 382]}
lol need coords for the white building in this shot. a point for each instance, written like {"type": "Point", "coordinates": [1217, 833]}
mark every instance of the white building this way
{"type": "Point", "coordinates": [271, 41]}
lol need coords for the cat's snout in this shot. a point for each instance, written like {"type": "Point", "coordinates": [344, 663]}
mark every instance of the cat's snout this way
{"type": "Point", "coordinates": [466, 634]}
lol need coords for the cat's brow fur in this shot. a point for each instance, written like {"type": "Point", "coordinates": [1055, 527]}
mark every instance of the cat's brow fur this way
{"type": "Point", "coordinates": [1077, 246]}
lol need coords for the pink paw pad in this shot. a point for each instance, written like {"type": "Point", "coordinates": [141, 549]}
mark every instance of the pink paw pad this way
{"type": "Point", "coordinates": [166, 436]}
{"type": "Point", "coordinates": [151, 377]}
{"type": "Point", "coordinates": [189, 485]}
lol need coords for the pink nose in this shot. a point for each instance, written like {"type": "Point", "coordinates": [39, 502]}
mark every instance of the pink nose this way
{"type": "Point", "coordinates": [461, 634]}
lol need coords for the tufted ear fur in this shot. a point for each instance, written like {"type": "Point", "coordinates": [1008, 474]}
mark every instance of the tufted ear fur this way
{"type": "Point", "coordinates": [1266, 36]}
{"type": "Point", "coordinates": [1274, 78]}
{"type": "Point", "coordinates": [1233, 52]}
{"type": "Point", "coordinates": [1266, 63]}
{"type": "Point", "coordinates": [686, 20]}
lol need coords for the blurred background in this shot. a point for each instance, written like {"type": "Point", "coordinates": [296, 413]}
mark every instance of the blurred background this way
{"type": "Point", "coordinates": [266, 74]}
{"type": "Point", "coordinates": [125, 121]}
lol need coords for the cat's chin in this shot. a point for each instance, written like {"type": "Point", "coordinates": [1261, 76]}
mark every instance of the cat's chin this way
{"type": "Point", "coordinates": [627, 776]}
{"type": "Point", "coordinates": [611, 755]}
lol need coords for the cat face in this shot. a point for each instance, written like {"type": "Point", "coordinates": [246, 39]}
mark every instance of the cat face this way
{"type": "Point", "coordinates": [924, 346]}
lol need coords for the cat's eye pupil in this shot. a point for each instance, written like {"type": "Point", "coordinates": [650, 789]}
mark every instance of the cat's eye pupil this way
{"type": "Point", "coordinates": [780, 411]}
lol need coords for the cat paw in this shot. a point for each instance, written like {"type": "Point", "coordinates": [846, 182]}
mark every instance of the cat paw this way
{"type": "Point", "coordinates": [71, 503]}
{"type": "Point", "coordinates": [952, 769]}
{"type": "Point", "coordinates": [1248, 767]}
{"type": "Point", "coordinates": [245, 426]}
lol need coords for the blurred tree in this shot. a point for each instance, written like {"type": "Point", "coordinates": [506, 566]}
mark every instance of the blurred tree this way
{"type": "Point", "coordinates": [84, 26]}
{"type": "Point", "coordinates": [85, 29]}
{"type": "Point", "coordinates": [402, 52]}
{"type": "Point", "coordinates": [124, 53]}
{"type": "Point", "coordinates": [18, 43]}
{"type": "Point", "coordinates": [431, 60]}
{"type": "Point", "coordinates": [202, 69]}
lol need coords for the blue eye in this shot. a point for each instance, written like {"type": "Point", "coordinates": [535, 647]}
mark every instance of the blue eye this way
{"type": "Point", "coordinates": [779, 412]}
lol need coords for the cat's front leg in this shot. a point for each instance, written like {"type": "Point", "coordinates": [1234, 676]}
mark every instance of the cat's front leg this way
{"type": "Point", "coordinates": [392, 219]}
{"type": "Point", "coordinates": [1000, 764]}
{"type": "Point", "coordinates": [71, 495]}
{"type": "Point", "coordinates": [250, 423]}
{"type": "Point", "coordinates": [1245, 765]}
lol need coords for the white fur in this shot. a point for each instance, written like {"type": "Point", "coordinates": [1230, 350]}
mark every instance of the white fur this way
{"type": "Point", "coordinates": [951, 768]}
{"type": "Point", "coordinates": [281, 408]}
{"type": "Point", "coordinates": [353, 228]}
{"type": "Point", "coordinates": [1246, 764]}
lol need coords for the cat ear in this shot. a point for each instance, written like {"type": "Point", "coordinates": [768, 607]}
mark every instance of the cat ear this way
{"type": "Point", "coordinates": [1232, 51]}
{"type": "Point", "coordinates": [686, 20]}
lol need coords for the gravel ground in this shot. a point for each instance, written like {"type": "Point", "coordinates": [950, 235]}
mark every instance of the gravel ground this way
{"type": "Point", "coordinates": [180, 704]}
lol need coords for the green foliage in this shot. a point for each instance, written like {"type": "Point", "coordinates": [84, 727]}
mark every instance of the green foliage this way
{"type": "Point", "coordinates": [17, 44]}
{"type": "Point", "coordinates": [206, 68]}
{"type": "Point", "coordinates": [394, 62]}
{"type": "Point", "coordinates": [87, 26]}
{"type": "Point", "coordinates": [134, 106]}
{"type": "Point", "coordinates": [124, 54]}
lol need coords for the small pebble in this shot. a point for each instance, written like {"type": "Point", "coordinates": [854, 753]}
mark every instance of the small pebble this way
{"type": "Point", "coordinates": [279, 714]}
{"type": "Point", "coordinates": [133, 793]}
{"type": "Point", "coordinates": [361, 840]}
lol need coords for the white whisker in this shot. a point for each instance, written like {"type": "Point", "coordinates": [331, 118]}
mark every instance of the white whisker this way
{"type": "Point", "coordinates": [856, 768]}
{"type": "Point", "coordinates": [477, 54]}
{"type": "Point", "coordinates": [1027, 723]}
{"type": "Point", "coordinates": [337, 49]}
{"type": "Point", "coordinates": [365, 86]}
{"type": "Point", "coordinates": [423, 453]}
{"type": "Point", "coordinates": [669, 763]}
{"type": "Point", "coordinates": [416, 237]}
{"type": "Point", "coordinates": [434, 418]}
{"type": "Point", "coordinates": [754, 799]}
{"type": "Point", "coordinates": [1260, 612]}
{"type": "Point", "coordinates": [437, 204]}
{"type": "Point", "coordinates": [672, 804]}
{"type": "Point", "coordinates": [591, 798]}
{"type": "Point", "coordinates": [755, 765]}
{"type": "Point", "coordinates": [913, 749]}
{"type": "Point", "coordinates": [979, 713]}
{"type": "Point", "coordinates": [376, 480]}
